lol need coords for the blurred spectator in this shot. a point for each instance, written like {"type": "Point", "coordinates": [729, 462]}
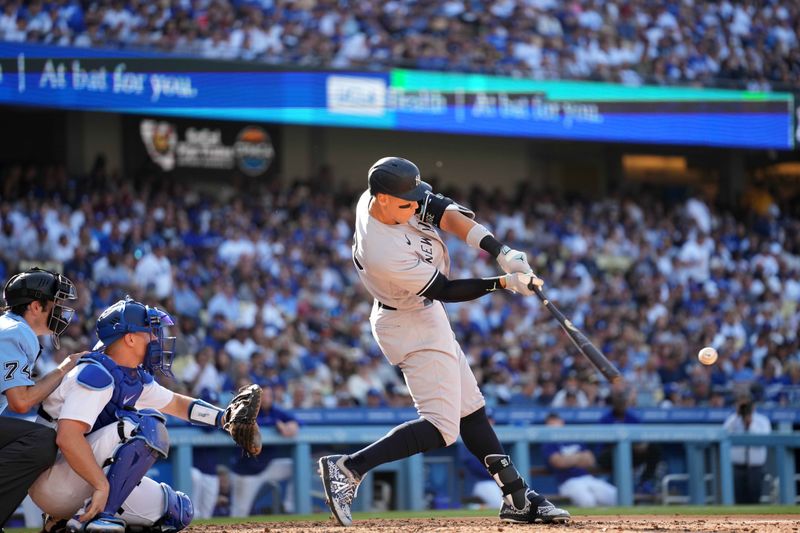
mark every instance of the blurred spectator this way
{"type": "Point", "coordinates": [570, 394]}
{"type": "Point", "coordinates": [224, 303]}
{"type": "Point", "coordinates": [200, 375]}
{"type": "Point", "coordinates": [223, 503]}
{"type": "Point", "coordinates": [248, 474]}
{"type": "Point", "coordinates": [570, 463]}
{"type": "Point", "coordinates": [275, 320]}
{"type": "Point", "coordinates": [360, 383]}
{"type": "Point", "coordinates": [748, 461]}
{"type": "Point", "coordinates": [154, 272]}
{"type": "Point", "coordinates": [242, 346]}
{"type": "Point", "coordinates": [205, 481]}
{"type": "Point", "coordinates": [646, 455]}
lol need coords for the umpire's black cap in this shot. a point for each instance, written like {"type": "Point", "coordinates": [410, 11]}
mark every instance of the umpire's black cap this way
{"type": "Point", "coordinates": [397, 177]}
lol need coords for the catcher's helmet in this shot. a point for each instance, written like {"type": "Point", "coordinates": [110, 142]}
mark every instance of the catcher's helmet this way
{"type": "Point", "coordinates": [397, 177]}
{"type": "Point", "coordinates": [36, 284]}
{"type": "Point", "coordinates": [130, 316]}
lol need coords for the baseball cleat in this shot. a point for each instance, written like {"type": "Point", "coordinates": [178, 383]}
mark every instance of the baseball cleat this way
{"type": "Point", "coordinates": [543, 512]}
{"type": "Point", "coordinates": [341, 487]}
{"type": "Point", "coordinates": [102, 523]}
{"type": "Point", "coordinates": [53, 525]}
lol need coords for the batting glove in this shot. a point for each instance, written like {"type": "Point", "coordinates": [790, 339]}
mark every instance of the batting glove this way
{"type": "Point", "coordinates": [512, 261]}
{"type": "Point", "coordinates": [522, 282]}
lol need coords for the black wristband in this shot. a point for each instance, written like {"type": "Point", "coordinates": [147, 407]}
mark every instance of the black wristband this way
{"type": "Point", "coordinates": [491, 245]}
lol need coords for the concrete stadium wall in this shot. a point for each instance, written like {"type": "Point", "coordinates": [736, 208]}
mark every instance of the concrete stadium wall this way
{"type": "Point", "coordinates": [90, 134]}
{"type": "Point", "coordinates": [591, 168]}
{"type": "Point", "coordinates": [453, 159]}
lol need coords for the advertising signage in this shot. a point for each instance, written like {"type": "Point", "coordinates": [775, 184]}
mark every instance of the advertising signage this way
{"type": "Point", "coordinates": [404, 100]}
{"type": "Point", "coordinates": [198, 149]}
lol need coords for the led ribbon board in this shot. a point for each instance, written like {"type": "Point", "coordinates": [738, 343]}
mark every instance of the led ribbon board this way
{"type": "Point", "coordinates": [405, 100]}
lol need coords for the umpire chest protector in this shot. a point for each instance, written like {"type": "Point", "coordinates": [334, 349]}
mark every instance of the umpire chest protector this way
{"type": "Point", "coordinates": [100, 372]}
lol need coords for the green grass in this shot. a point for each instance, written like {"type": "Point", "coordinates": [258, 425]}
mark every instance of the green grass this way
{"type": "Point", "coordinates": [673, 510]}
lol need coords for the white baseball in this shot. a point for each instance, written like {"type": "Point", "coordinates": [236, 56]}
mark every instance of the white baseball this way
{"type": "Point", "coordinates": [707, 355]}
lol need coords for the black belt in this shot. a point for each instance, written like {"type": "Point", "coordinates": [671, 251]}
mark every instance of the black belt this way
{"type": "Point", "coordinates": [41, 412]}
{"type": "Point", "coordinates": [426, 303]}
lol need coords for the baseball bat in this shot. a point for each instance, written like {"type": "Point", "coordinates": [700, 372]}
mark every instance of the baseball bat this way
{"type": "Point", "coordinates": [584, 345]}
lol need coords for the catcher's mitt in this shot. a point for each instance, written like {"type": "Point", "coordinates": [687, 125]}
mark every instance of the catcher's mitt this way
{"type": "Point", "coordinates": [239, 419]}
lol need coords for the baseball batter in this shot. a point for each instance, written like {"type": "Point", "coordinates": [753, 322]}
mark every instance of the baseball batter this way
{"type": "Point", "coordinates": [110, 430]}
{"type": "Point", "coordinates": [34, 306]}
{"type": "Point", "coordinates": [404, 264]}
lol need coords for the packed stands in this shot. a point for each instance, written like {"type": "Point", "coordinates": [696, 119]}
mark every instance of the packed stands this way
{"type": "Point", "coordinates": [752, 44]}
{"type": "Point", "coordinates": [262, 283]}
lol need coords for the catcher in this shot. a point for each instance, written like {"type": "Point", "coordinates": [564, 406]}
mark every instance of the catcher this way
{"type": "Point", "coordinates": [110, 430]}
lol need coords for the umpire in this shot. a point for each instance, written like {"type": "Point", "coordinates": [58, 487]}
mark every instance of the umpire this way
{"type": "Point", "coordinates": [34, 306]}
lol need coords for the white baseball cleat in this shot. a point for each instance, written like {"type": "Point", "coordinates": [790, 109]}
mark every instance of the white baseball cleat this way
{"type": "Point", "coordinates": [341, 487]}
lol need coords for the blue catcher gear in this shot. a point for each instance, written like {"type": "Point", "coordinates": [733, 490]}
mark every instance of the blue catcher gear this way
{"type": "Point", "coordinates": [128, 385]}
{"type": "Point", "coordinates": [95, 377]}
{"type": "Point", "coordinates": [130, 316]}
{"type": "Point", "coordinates": [132, 459]}
{"type": "Point", "coordinates": [178, 511]}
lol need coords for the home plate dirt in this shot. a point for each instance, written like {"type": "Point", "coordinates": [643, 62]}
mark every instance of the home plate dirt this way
{"type": "Point", "coordinates": [584, 524]}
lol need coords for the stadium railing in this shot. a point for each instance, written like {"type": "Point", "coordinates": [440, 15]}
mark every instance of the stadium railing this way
{"type": "Point", "coordinates": [411, 483]}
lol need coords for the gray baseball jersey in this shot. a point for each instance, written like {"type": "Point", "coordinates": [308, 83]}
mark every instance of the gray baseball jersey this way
{"type": "Point", "coordinates": [397, 263]}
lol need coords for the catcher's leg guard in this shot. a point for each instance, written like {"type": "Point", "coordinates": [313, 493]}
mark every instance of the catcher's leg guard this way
{"type": "Point", "coordinates": [178, 511]}
{"type": "Point", "coordinates": [131, 460]}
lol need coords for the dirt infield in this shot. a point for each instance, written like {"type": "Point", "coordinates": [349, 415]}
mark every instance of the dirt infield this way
{"type": "Point", "coordinates": [584, 524]}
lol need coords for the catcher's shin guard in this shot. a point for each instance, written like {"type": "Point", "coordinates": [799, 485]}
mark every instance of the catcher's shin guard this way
{"type": "Point", "coordinates": [178, 511]}
{"type": "Point", "coordinates": [508, 479]}
{"type": "Point", "coordinates": [133, 458]}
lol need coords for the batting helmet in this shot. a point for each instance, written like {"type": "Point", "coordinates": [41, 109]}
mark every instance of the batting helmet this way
{"type": "Point", "coordinates": [36, 284]}
{"type": "Point", "coordinates": [130, 316]}
{"type": "Point", "coordinates": [397, 177]}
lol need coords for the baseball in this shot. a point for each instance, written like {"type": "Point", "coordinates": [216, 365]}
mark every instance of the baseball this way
{"type": "Point", "coordinates": [707, 355]}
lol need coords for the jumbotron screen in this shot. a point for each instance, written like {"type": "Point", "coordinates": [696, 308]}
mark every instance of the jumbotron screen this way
{"type": "Point", "coordinates": [404, 100]}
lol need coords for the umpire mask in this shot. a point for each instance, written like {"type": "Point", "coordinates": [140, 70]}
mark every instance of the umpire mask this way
{"type": "Point", "coordinates": [36, 284]}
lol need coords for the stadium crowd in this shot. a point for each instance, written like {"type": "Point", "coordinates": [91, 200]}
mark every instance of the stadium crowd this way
{"type": "Point", "coordinates": [752, 43]}
{"type": "Point", "coordinates": [262, 285]}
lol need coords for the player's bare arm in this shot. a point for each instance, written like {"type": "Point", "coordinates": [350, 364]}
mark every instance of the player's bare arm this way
{"type": "Point", "coordinates": [179, 406]}
{"type": "Point", "coordinates": [458, 220]}
{"type": "Point", "coordinates": [457, 223]}
{"type": "Point", "coordinates": [584, 459]}
{"type": "Point", "coordinates": [287, 429]}
{"type": "Point", "coordinates": [71, 440]}
{"type": "Point", "coordinates": [23, 399]}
